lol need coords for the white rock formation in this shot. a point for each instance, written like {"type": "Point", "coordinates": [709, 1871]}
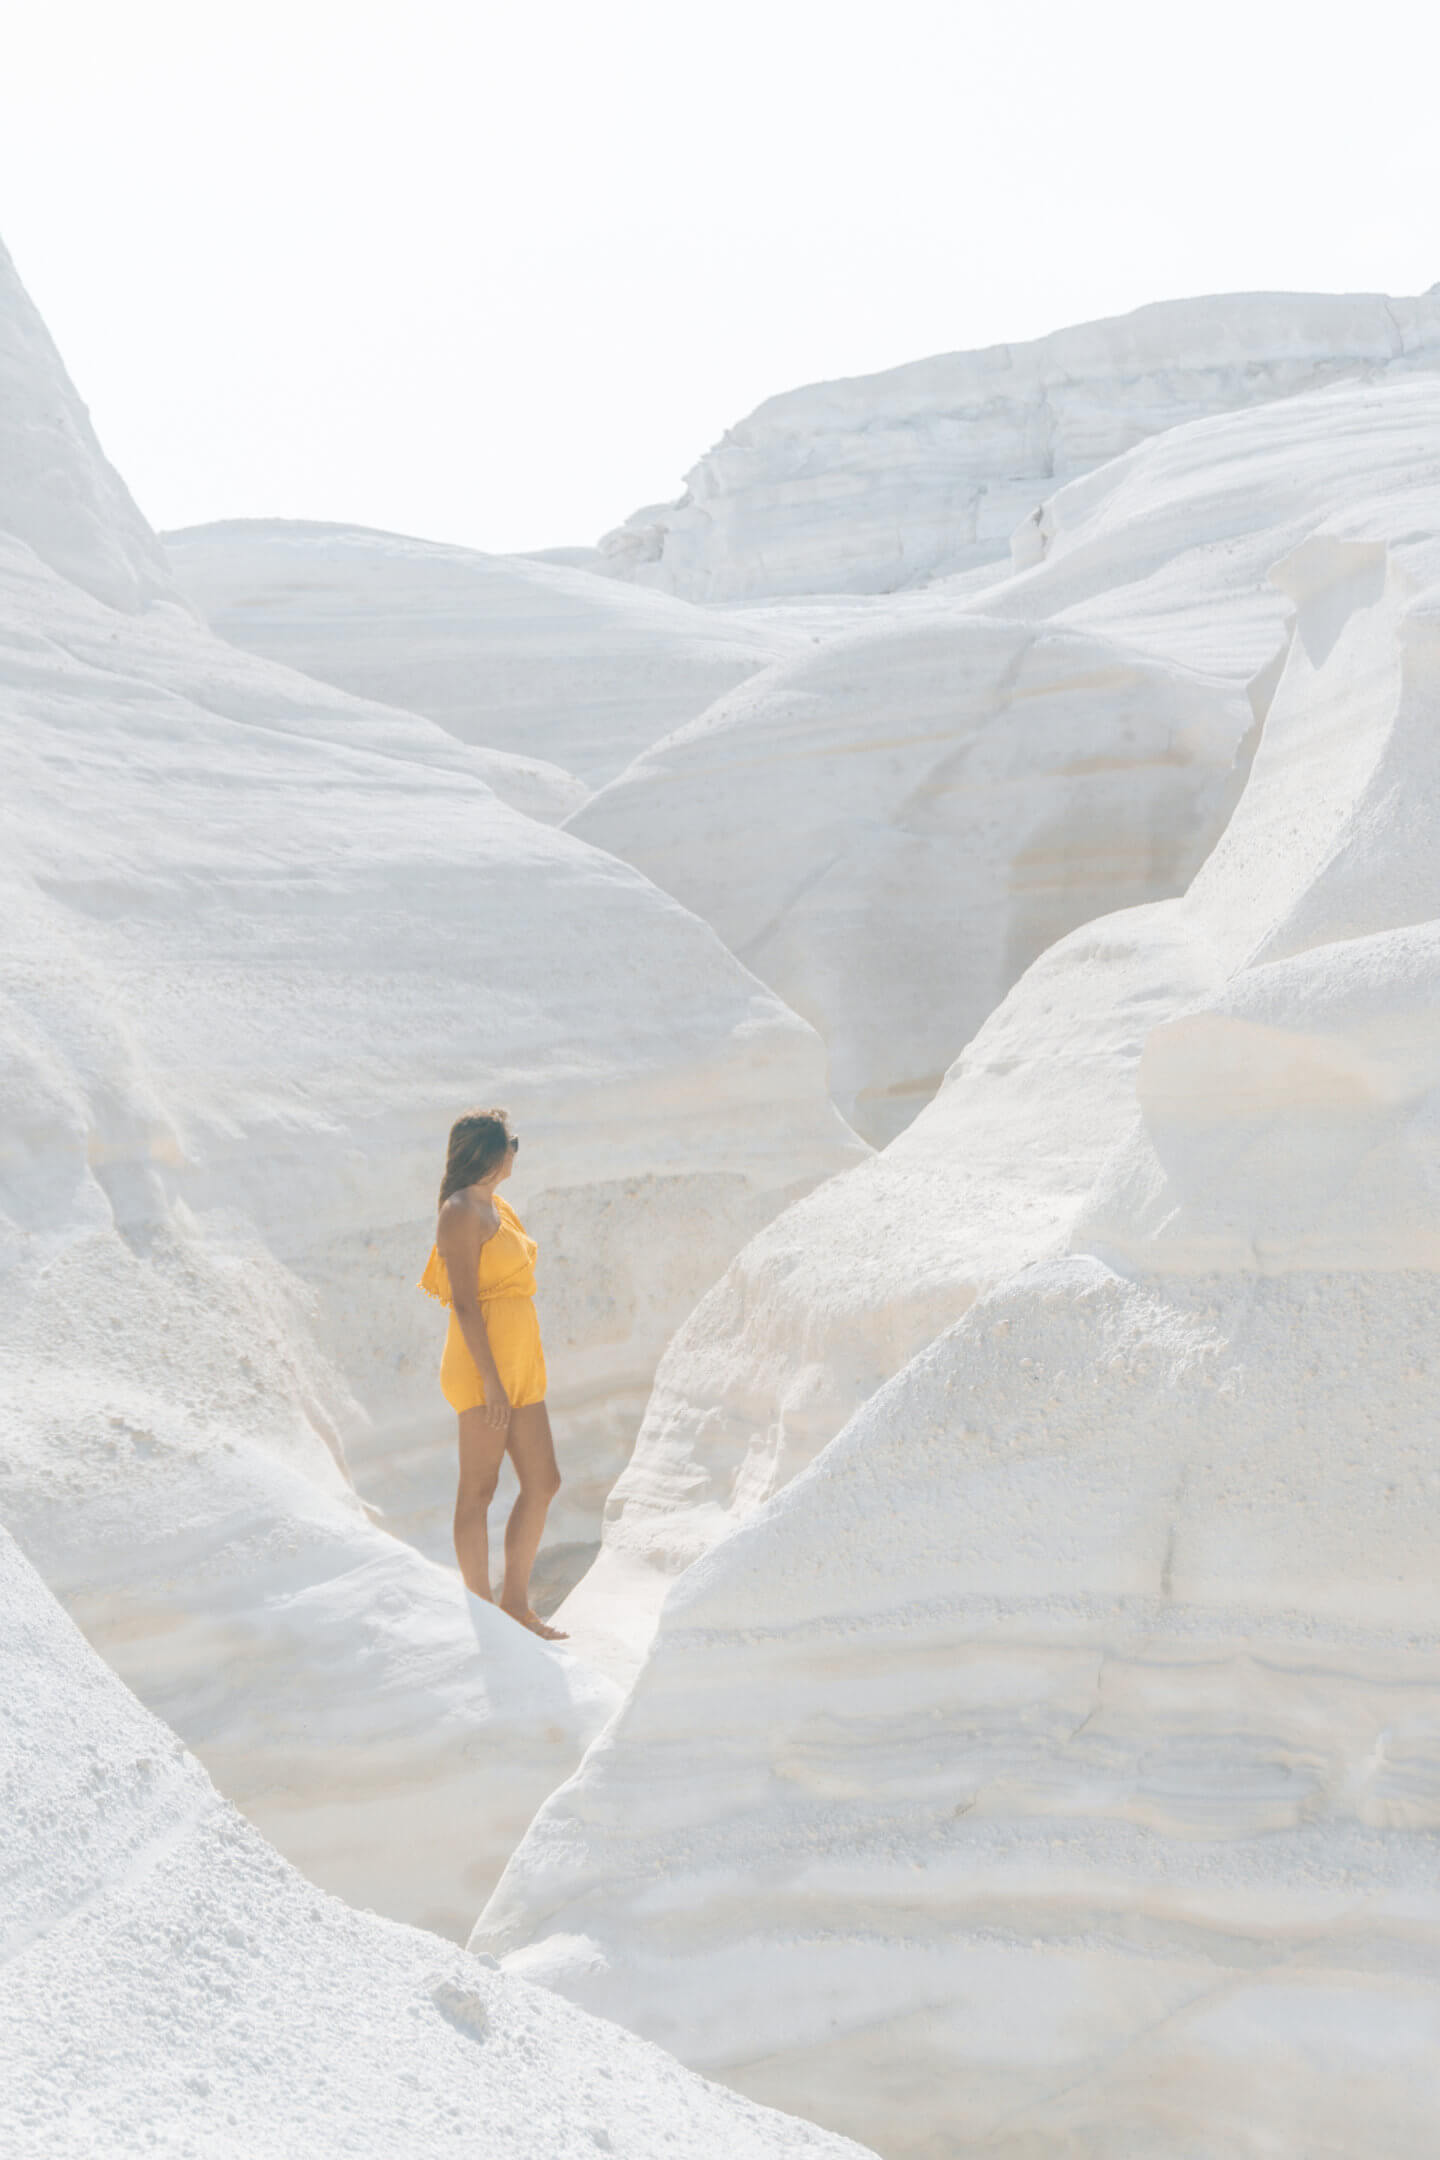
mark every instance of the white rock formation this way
{"type": "Point", "coordinates": [890, 829]}
{"type": "Point", "coordinates": [61, 496]}
{"type": "Point", "coordinates": [544, 661]}
{"type": "Point", "coordinates": [835, 1295]}
{"type": "Point", "coordinates": [1173, 546]}
{"type": "Point", "coordinates": [1055, 1766]}
{"type": "Point", "coordinates": [169, 1985]}
{"type": "Point", "coordinates": [881, 482]}
{"type": "Point", "coordinates": [262, 942]}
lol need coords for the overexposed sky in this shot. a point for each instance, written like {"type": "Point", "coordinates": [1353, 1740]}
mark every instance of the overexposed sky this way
{"type": "Point", "coordinates": [499, 273]}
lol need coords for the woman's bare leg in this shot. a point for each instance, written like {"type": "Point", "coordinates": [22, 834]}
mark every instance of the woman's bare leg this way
{"type": "Point", "coordinates": [481, 1447]}
{"type": "Point", "coordinates": [532, 1450]}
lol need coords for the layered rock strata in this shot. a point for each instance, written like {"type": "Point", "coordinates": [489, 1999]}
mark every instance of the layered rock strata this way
{"type": "Point", "coordinates": [263, 942]}
{"type": "Point", "coordinates": [1094, 1799]}
{"type": "Point", "coordinates": [169, 1984]}
{"type": "Point", "coordinates": [1174, 549]}
{"type": "Point", "coordinates": [883, 482]}
{"type": "Point", "coordinates": [891, 828]}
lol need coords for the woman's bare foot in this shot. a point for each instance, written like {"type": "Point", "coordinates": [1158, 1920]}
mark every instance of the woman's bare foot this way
{"type": "Point", "coordinates": [536, 1625]}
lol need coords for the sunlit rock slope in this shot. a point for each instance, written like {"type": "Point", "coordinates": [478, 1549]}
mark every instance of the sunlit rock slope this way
{"type": "Point", "coordinates": [168, 1984]}
{"type": "Point", "coordinates": [263, 941]}
{"type": "Point", "coordinates": [880, 482]}
{"type": "Point", "coordinates": [531, 657]}
{"type": "Point", "coordinates": [892, 828]}
{"type": "Point", "coordinates": [1177, 545]}
{"type": "Point", "coordinates": [1054, 1767]}
{"type": "Point", "coordinates": [61, 496]}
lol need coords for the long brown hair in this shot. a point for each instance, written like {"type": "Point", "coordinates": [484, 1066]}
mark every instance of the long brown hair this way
{"type": "Point", "coordinates": [478, 1139]}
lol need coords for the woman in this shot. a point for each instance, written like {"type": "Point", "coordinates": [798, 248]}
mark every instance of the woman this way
{"type": "Point", "coordinates": [492, 1372]}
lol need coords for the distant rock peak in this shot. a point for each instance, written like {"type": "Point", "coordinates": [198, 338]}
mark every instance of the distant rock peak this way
{"type": "Point", "coordinates": [58, 492]}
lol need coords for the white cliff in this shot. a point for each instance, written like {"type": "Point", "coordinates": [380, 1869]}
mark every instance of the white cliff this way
{"type": "Point", "coordinates": [1172, 549]}
{"type": "Point", "coordinates": [1038, 1754]}
{"type": "Point", "coordinates": [882, 482]}
{"type": "Point", "coordinates": [170, 1985]}
{"type": "Point", "coordinates": [535, 658]}
{"type": "Point", "coordinates": [62, 497]}
{"type": "Point", "coordinates": [263, 942]}
{"type": "Point", "coordinates": [1054, 1766]}
{"type": "Point", "coordinates": [890, 829]}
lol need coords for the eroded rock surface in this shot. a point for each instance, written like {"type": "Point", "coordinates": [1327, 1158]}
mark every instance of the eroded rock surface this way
{"type": "Point", "coordinates": [1092, 1804]}
{"type": "Point", "coordinates": [546, 662]}
{"type": "Point", "coordinates": [169, 1984]}
{"type": "Point", "coordinates": [1177, 547]}
{"type": "Point", "coordinates": [892, 827]}
{"type": "Point", "coordinates": [263, 942]}
{"type": "Point", "coordinates": [882, 482]}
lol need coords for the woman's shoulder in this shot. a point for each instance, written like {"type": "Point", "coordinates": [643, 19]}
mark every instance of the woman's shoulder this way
{"type": "Point", "coordinates": [462, 1211]}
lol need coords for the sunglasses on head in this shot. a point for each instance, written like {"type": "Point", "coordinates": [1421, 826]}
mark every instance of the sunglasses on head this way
{"type": "Point", "coordinates": [514, 1143]}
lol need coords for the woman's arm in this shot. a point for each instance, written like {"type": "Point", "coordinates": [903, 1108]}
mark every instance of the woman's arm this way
{"type": "Point", "coordinates": [460, 1235]}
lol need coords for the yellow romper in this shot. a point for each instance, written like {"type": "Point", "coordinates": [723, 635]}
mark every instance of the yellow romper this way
{"type": "Point", "coordinates": [507, 1306]}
